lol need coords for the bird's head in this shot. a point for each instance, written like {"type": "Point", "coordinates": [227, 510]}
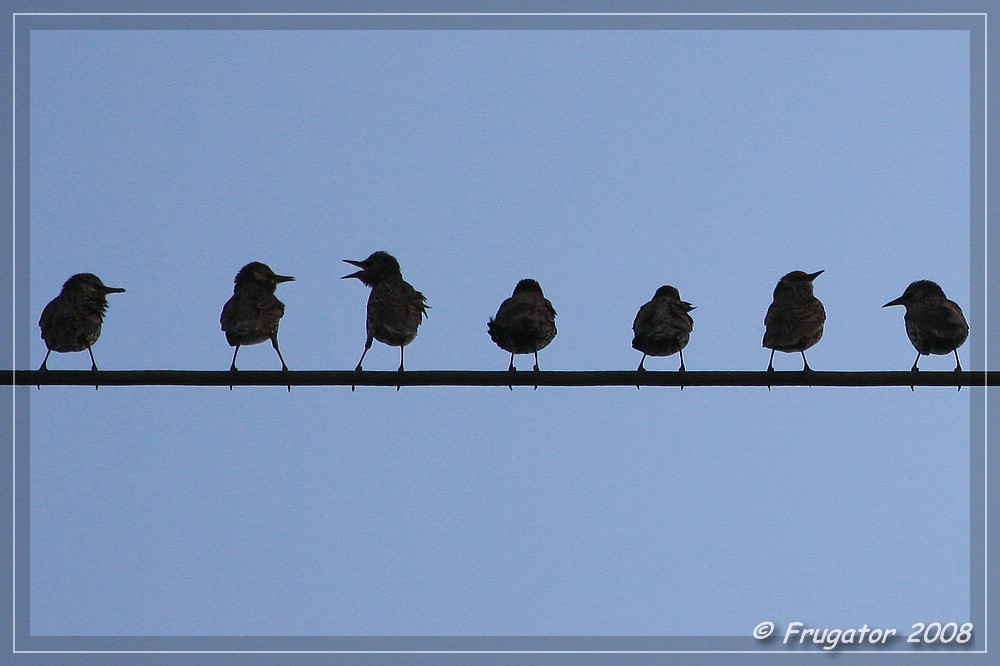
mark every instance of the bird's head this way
{"type": "Point", "coordinates": [527, 286]}
{"type": "Point", "coordinates": [796, 281]}
{"type": "Point", "coordinates": [261, 274]}
{"type": "Point", "coordinates": [89, 284]}
{"type": "Point", "coordinates": [670, 293]}
{"type": "Point", "coordinates": [916, 292]}
{"type": "Point", "coordinates": [377, 267]}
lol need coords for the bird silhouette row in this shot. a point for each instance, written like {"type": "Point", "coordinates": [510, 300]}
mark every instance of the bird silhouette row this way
{"type": "Point", "coordinates": [525, 323]}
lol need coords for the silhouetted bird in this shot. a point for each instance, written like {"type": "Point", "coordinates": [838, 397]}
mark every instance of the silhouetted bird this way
{"type": "Point", "coordinates": [525, 322]}
{"type": "Point", "coordinates": [71, 322]}
{"type": "Point", "coordinates": [794, 321]}
{"type": "Point", "coordinates": [395, 308]}
{"type": "Point", "coordinates": [252, 314]}
{"type": "Point", "coordinates": [663, 326]}
{"type": "Point", "coordinates": [934, 324]}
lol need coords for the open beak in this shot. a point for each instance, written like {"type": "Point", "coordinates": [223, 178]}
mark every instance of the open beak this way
{"type": "Point", "coordinates": [359, 264]}
{"type": "Point", "coordinates": [283, 278]}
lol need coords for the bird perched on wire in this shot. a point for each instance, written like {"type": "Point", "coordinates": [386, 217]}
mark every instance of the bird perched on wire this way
{"type": "Point", "coordinates": [663, 326]}
{"type": "Point", "coordinates": [252, 314]}
{"type": "Point", "coordinates": [525, 322]}
{"type": "Point", "coordinates": [934, 324]}
{"type": "Point", "coordinates": [794, 321]}
{"type": "Point", "coordinates": [71, 322]}
{"type": "Point", "coordinates": [395, 308]}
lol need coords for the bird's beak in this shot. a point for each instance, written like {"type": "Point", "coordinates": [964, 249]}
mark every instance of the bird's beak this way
{"type": "Point", "coordinates": [359, 264]}
{"type": "Point", "coordinates": [813, 276]}
{"type": "Point", "coordinates": [688, 306]}
{"type": "Point", "coordinates": [114, 290]}
{"type": "Point", "coordinates": [898, 301]}
{"type": "Point", "coordinates": [283, 278]}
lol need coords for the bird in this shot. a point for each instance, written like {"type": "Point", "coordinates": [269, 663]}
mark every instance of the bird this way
{"type": "Point", "coordinates": [71, 322]}
{"type": "Point", "coordinates": [395, 308]}
{"type": "Point", "coordinates": [794, 321]}
{"type": "Point", "coordinates": [525, 323]}
{"type": "Point", "coordinates": [934, 324]}
{"type": "Point", "coordinates": [663, 326]}
{"type": "Point", "coordinates": [252, 314]}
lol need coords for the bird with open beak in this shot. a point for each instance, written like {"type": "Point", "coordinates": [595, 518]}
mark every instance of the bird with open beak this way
{"type": "Point", "coordinates": [395, 309]}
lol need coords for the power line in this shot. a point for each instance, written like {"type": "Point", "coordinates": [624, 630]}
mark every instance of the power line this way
{"type": "Point", "coordinates": [491, 378]}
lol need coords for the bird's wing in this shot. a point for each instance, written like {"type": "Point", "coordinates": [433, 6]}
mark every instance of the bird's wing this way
{"type": "Point", "coordinates": [271, 305]}
{"type": "Point", "coordinates": [785, 325]}
{"type": "Point", "coordinates": [645, 320]}
{"type": "Point", "coordinates": [514, 309]}
{"type": "Point", "coordinates": [397, 306]}
{"type": "Point", "coordinates": [226, 319]}
{"type": "Point", "coordinates": [944, 317]}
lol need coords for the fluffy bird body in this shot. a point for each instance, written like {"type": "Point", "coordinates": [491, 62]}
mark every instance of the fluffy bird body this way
{"type": "Point", "coordinates": [663, 326]}
{"type": "Point", "coordinates": [252, 314]}
{"type": "Point", "coordinates": [395, 309]}
{"type": "Point", "coordinates": [72, 321]}
{"type": "Point", "coordinates": [934, 323]}
{"type": "Point", "coordinates": [525, 323]}
{"type": "Point", "coordinates": [795, 318]}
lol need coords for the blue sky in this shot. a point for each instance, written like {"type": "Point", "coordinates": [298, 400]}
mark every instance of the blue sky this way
{"type": "Point", "coordinates": [601, 163]}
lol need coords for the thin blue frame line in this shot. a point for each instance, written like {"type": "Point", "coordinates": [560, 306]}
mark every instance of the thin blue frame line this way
{"type": "Point", "coordinates": [596, 14]}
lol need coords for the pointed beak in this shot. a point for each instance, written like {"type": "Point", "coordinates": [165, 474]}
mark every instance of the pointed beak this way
{"type": "Point", "coordinates": [813, 276]}
{"type": "Point", "coordinates": [283, 278]}
{"type": "Point", "coordinates": [898, 301]}
{"type": "Point", "coordinates": [359, 264]}
{"type": "Point", "coordinates": [114, 290]}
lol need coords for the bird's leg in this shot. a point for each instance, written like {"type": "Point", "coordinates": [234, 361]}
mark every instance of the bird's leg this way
{"type": "Point", "coordinates": [915, 368]}
{"type": "Point", "coordinates": [400, 370]}
{"type": "Point", "coordinates": [536, 369]}
{"type": "Point", "coordinates": [43, 367]}
{"type": "Point", "coordinates": [681, 369]}
{"type": "Point", "coordinates": [232, 366]}
{"type": "Point", "coordinates": [368, 345]}
{"type": "Point", "coordinates": [640, 369]}
{"type": "Point", "coordinates": [958, 367]}
{"type": "Point", "coordinates": [284, 368]}
{"type": "Point", "coordinates": [511, 368]}
{"type": "Point", "coordinates": [93, 366]}
{"type": "Point", "coordinates": [274, 343]}
{"type": "Point", "coordinates": [770, 367]}
{"type": "Point", "coordinates": [805, 364]}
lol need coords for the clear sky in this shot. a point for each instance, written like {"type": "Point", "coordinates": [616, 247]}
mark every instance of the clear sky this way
{"type": "Point", "coordinates": [601, 163]}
